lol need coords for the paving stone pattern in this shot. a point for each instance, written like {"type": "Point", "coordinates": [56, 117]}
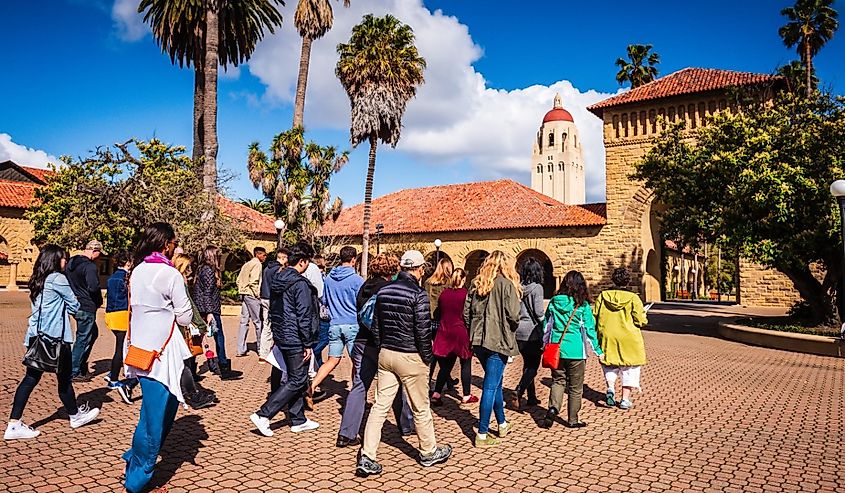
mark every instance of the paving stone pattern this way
{"type": "Point", "coordinates": [714, 416]}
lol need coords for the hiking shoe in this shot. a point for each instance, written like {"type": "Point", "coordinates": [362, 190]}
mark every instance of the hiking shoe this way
{"type": "Point", "coordinates": [504, 429]}
{"type": "Point", "coordinates": [367, 466]}
{"type": "Point", "coordinates": [20, 431]}
{"type": "Point", "coordinates": [262, 423]}
{"type": "Point", "coordinates": [306, 426]}
{"type": "Point", "coordinates": [84, 416]}
{"type": "Point", "coordinates": [200, 399]}
{"type": "Point", "coordinates": [625, 404]}
{"type": "Point", "coordinates": [549, 419]}
{"type": "Point", "coordinates": [440, 454]}
{"type": "Point", "coordinates": [485, 442]}
{"type": "Point", "coordinates": [610, 399]}
{"type": "Point", "coordinates": [125, 392]}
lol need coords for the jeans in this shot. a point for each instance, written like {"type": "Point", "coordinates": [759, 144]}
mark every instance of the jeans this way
{"type": "Point", "coordinates": [569, 375]}
{"type": "Point", "coordinates": [445, 373]}
{"type": "Point", "coordinates": [219, 339]}
{"type": "Point", "coordinates": [158, 410]}
{"type": "Point", "coordinates": [532, 353]}
{"type": "Point", "coordinates": [292, 392]}
{"type": "Point", "coordinates": [492, 399]}
{"type": "Point", "coordinates": [250, 310]}
{"type": "Point", "coordinates": [266, 340]}
{"type": "Point", "coordinates": [364, 368]}
{"type": "Point", "coordinates": [86, 334]}
{"type": "Point", "coordinates": [31, 379]}
{"type": "Point", "coordinates": [322, 342]}
{"type": "Point", "coordinates": [341, 336]}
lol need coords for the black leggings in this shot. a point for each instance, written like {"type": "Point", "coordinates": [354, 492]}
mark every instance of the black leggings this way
{"type": "Point", "coordinates": [446, 365]}
{"type": "Point", "coordinates": [532, 352]}
{"type": "Point", "coordinates": [31, 379]}
{"type": "Point", "coordinates": [117, 358]}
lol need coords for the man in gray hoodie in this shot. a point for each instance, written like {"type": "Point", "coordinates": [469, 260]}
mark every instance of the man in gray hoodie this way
{"type": "Point", "coordinates": [84, 280]}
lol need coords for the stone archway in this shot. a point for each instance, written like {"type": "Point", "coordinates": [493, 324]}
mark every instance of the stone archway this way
{"type": "Point", "coordinates": [473, 262]}
{"type": "Point", "coordinates": [651, 278]}
{"type": "Point", "coordinates": [549, 282]}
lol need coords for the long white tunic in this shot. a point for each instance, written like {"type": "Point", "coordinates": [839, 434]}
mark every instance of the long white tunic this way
{"type": "Point", "coordinates": [157, 296]}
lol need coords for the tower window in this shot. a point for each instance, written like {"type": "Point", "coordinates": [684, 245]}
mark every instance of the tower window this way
{"type": "Point", "coordinates": [563, 141]}
{"type": "Point", "coordinates": [560, 166]}
{"type": "Point", "coordinates": [550, 168]}
{"type": "Point", "coordinates": [575, 140]}
{"type": "Point", "coordinates": [539, 168]}
{"type": "Point", "coordinates": [551, 139]}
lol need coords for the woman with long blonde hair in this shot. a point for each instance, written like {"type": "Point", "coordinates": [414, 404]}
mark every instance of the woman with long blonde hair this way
{"type": "Point", "coordinates": [491, 312]}
{"type": "Point", "coordinates": [452, 340]}
{"type": "Point", "coordinates": [434, 286]}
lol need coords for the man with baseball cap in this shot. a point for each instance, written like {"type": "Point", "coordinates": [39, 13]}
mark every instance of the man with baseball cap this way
{"type": "Point", "coordinates": [84, 280]}
{"type": "Point", "coordinates": [401, 328]}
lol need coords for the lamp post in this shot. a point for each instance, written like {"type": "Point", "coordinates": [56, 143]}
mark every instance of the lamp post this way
{"type": "Point", "coordinates": [437, 245]}
{"type": "Point", "coordinates": [379, 231]}
{"type": "Point", "coordinates": [280, 226]}
{"type": "Point", "coordinates": [837, 189]}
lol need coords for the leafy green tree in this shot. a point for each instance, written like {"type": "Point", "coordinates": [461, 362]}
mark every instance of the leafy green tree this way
{"type": "Point", "coordinates": [313, 19]}
{"type": "Point", "coordinates": [380, 68]}
{"type": "Point", "coordinates": [795, 74]}
{"type": "Point", "coordinates": [640, 67]}
{"type": "Point", "coordinates": [114, 193]}
{"type": "Point", "coordinates": [180, 28]}
{"type": "Point", "coordinates": [811, 25]}
{"type": "Point", "coordinates": [758, 180]}
{"type": "Point", "coordinates": [295, 180]}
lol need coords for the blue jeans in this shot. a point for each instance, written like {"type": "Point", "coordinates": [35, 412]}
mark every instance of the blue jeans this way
{"type": "Point", "coordinates": [322, 342]}
{"type": "Point", "coordinates": [158, 409]}
{"type": "Point", "coordinates": [491, 396]}
{"type": "Point", "coordinates": [86, 334]}
{"type": "Point", "coordinates": [341, 336]}
{"type": "Point", "coordinates": [219, 339]}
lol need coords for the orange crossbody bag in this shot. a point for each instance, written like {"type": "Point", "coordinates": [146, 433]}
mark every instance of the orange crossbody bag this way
{"type": "Point", "coordinates": [143, 359]}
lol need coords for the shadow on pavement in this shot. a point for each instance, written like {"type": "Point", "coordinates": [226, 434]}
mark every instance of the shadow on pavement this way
{"type": "Point", "coordinates": [181, 445]}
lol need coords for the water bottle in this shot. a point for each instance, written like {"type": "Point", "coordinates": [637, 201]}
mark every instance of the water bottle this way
{"type": "Point", "coordinates": [212, 360]}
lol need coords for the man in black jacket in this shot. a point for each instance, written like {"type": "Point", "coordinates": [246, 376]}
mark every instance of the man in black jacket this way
{"type": "Point", "coordinates": [294, 321]}
{"type": "Point", "coordinates": [402, 329]}
{"type": "Point", "coordinates": [84, 280]}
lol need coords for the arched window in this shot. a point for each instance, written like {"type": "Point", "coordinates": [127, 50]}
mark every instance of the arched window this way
{"type": "Point", "coordinates": [560, 166]}
{"type": "Point", "coordinates": [634, 123]}
{"type": "Point", "coordinates": [563, 141]}
{"type": "Point", "coordinates": [652, 116]}
{"type": "Point", "coordinates": [672, 114]}
{"type": "Point", "coordinates": [551, 139]}
{"type": "Point", "coordinates": [539, 168]}
{"type": "Point", "coordinates": [550, 167]}
{"type": "Point", "coordinates": [625, 124]}
{"type": "Point", "coordinates": [575, 140]}
{"type": "Point", "coordinates": [702, 113]}
{"type": "Point", "coordinates": [615, 126]}
{"type": "Point", "coordinates": [692, 118]}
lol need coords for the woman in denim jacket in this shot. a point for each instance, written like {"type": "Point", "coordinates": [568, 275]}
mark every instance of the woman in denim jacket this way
{"type": "Point", "coordinates": [52, 303]}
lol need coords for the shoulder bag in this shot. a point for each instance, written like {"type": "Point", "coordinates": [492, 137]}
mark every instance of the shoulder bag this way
{"type": "Point", "coordinates": [551, 352]}
{"type": "Point", "coordinates": [139, 358]}
{"type": "Point", "coordinates": [46, 352]}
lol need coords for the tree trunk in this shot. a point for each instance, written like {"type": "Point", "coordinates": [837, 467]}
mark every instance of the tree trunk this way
{"type": "Point", "coordinates": [302, 82]}
{"type": "Point", "coordinates": [808, 58]}
{"type": "Point", "coordinates": [199, 90]}
{"type": "Point", "coordinates": [812, 292]}
{"type": "Point", "coordinates": [209, 181]}
{"type": "Point", "coordinates": [368, 206]}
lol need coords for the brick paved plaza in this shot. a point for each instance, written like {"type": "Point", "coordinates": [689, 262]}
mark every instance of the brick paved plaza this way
{"type": "Point", "coordinates": [714, 416]}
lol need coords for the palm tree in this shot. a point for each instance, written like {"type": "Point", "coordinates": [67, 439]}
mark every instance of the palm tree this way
{"type": "Point", "coordinates": [180, 26]}
{"type": "Point", "coordinates": [811, 25]}
{"type": "Point", "coordinates": [262, 205]}
{"type": "Point", "coordinates": [795, 74]}
{"type": "Point", "coordinates": [313, 19]}
{"type": "Point", "coordinates": [380, 69]}
{"type": "Point", "coordinates": [640, 68]}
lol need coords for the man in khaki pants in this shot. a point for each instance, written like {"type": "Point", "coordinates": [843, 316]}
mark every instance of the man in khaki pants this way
{"type": "Point", "coordinates": [401, 328]}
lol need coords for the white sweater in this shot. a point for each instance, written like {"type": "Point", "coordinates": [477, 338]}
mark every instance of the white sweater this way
{"type": "Point", "coordinates": [157, 295]}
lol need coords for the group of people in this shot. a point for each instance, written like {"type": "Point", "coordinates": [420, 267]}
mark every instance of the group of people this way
{"type": "Point", "coordinates": [395, 328]}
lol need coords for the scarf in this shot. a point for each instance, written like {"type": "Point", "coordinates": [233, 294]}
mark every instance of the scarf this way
{"type": "Point", "coordinates": [158, 258]}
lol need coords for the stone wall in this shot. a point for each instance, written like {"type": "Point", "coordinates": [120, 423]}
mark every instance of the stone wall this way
{"type": "Point", "coordinates": [15, 236]}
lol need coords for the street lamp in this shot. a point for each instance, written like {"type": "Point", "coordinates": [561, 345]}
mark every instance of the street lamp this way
{"type": "Point", "coordinates": [280, 226]}
{"type": "Point", "coordinates": [437, 244]}
{"type": "Point", "coordinates": [379, 231]}
{"type": "Point", "coordinates": [837, 189]}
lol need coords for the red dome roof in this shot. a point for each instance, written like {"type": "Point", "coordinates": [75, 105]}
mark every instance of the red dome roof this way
{"type": "Point", "coordinates": [557, 115]}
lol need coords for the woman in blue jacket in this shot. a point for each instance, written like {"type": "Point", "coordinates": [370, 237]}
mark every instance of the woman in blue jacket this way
{"type": "Point", "coordinates": [52, 304]}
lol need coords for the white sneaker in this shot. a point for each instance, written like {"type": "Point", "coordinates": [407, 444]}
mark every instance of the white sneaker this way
{"type": "Point", "coordinates": [306, 426]}
{"type": "Point", "coordinates": [18, 430]}
{"type": "Point", "coordinates": [84, 416]}
{"type": "Point", "coordinates": [263, 424]}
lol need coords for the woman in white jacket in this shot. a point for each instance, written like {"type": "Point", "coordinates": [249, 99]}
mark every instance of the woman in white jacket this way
{"type": "Point", "coordinates": [157, 302]}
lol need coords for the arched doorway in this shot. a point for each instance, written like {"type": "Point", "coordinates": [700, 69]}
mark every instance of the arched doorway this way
{"type": "Point", "coordinates": [549, 281]}
{"type": "Point", "coordinates": [473, 263]}
{"type": "Point", "coordinates": [432, 259]}
{"type": "Point", "coordinates": [651, 279]}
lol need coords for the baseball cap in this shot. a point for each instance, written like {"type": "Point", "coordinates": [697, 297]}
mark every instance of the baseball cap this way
{"type": "Point", "coordinates": [94, 246]}
{"type": "Point", "coordinates": [411, 259]}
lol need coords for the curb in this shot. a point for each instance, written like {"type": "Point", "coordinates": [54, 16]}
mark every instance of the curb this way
{"type": "Point", "coordinates": [787, 341]}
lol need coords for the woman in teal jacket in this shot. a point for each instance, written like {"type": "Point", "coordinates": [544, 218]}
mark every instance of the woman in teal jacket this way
{"type": "Point", "coordinates": [570, 321]}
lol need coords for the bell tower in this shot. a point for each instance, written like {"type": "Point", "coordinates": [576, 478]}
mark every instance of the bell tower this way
{"type": "Point", "coordinates": [557, 163]}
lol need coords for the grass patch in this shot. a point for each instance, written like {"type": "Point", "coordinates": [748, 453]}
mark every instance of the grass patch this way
{"type": "Point", "coordinates": [790, 324]}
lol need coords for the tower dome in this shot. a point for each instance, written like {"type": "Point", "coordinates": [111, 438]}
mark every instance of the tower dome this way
{"type": "Point", "coordinates": [557, 113]}
{"type": "Point", "coordinates": [557, 163]}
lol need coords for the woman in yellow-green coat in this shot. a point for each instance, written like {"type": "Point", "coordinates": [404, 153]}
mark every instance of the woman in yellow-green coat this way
{"type": "Point", "coordinates": [619, 317]}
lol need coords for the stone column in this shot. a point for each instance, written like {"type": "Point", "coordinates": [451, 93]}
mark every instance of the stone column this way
{"type": "Point", "coordinates": [13, 277]}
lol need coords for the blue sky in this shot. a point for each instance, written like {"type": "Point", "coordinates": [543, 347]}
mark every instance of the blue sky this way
{"type": "Point", "coordinates": [83, 74]}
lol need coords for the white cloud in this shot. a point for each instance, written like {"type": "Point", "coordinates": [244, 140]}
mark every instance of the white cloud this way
{"type": "Point", "coordinates": [22, 155]}
{"type": "Point", "coordinates": [455, 117]}
{"type": "Point", "coordinates": [127, 21]}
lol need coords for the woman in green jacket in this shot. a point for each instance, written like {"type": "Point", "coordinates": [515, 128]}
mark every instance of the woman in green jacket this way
{"type": "Point", "coordinates": [620, 315]}
{"type": "Point", "coordinates": [569, 321]}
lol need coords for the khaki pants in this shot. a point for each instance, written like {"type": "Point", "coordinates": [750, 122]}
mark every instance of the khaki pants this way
{"type": "Point", "coordinates": [266, 338]}
{"type": "Point", "coordinates": [569, 377]}
{"type": "Point", "coordinates": [407, 369]}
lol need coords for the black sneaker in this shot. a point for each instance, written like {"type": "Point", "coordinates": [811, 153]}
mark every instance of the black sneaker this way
{"type": "Point", "coordinates": [342, 442]}
{"type": "Point", "coordinates": [366, 466]}
{"type": "Point", "coordinates": [549, 419]}
{"type": "Point", "coordinates": [200, 400]}
{"type": "Point", "coordinates": [440, 454]}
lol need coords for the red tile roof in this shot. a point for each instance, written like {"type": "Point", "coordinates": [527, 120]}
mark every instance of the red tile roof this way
{"type": "Point", "coordinates": [16, 194]}
{"type": "Point", "coordinates": [248, 219]}
{"type": "Point", "coordinates": [39, 173]}
{"type": "Point", "coordinates": [503, 204]}
{"type": "Point", "coordinates": [685, 81]}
